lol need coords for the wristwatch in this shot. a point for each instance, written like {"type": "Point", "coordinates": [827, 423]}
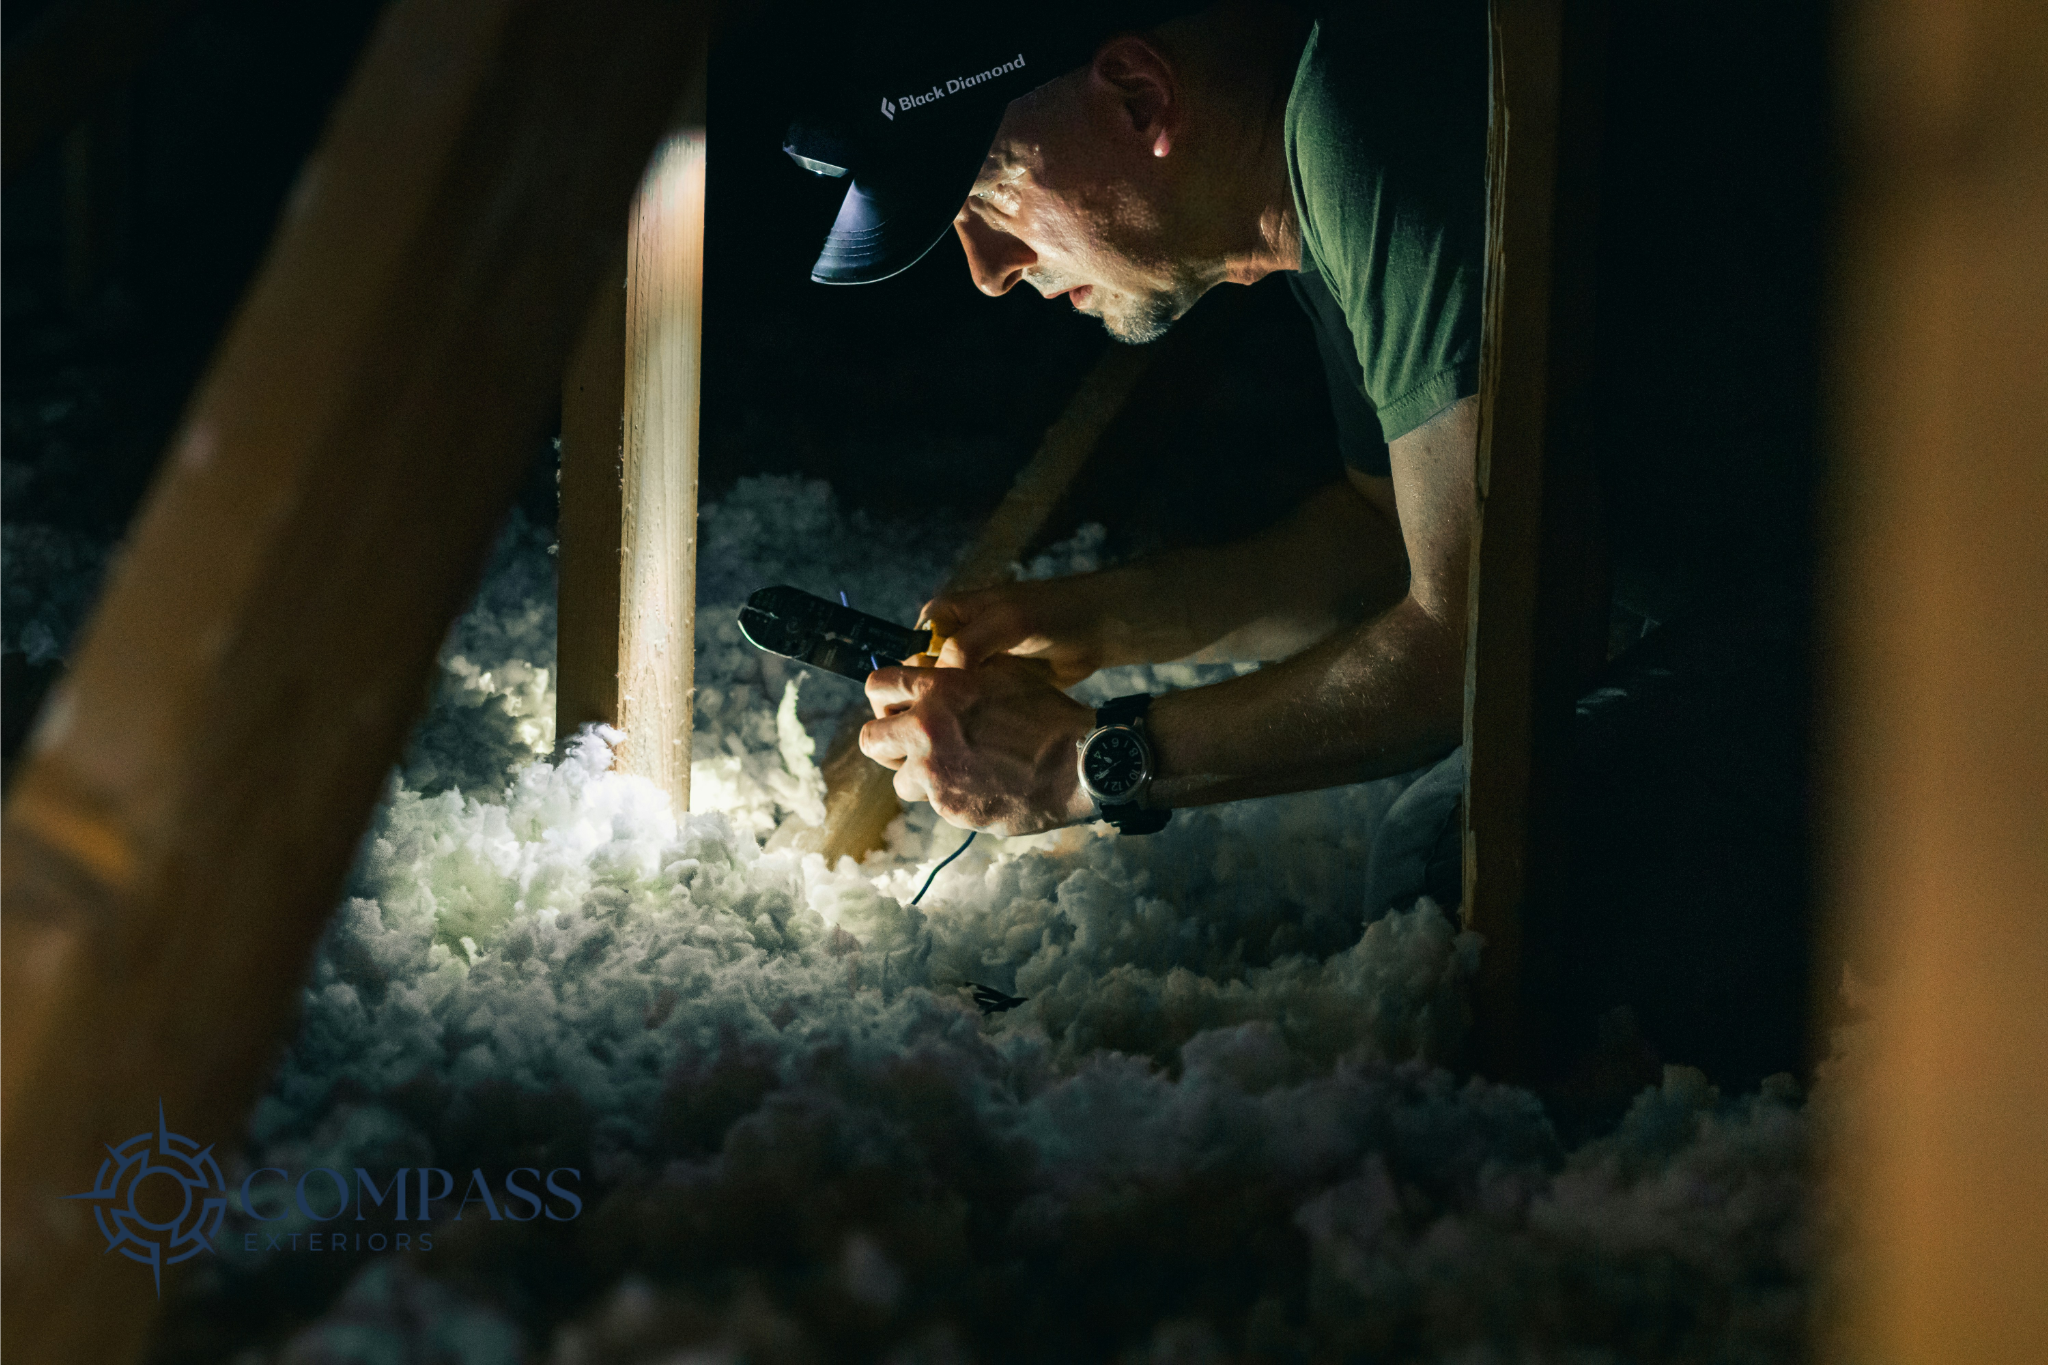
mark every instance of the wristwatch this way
{"type": "Point", "coordinates": [1116, 765]}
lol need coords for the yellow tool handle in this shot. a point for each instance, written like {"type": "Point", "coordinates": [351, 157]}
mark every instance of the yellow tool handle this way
{"type": "Point", "coordinates": [938, 643]}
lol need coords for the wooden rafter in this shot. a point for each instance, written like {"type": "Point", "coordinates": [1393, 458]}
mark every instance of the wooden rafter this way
{"type": "Point", "coordinates": [178, 833]}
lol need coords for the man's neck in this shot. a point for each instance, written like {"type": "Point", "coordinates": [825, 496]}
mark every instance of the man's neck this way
{"type": "Point", "coordinates": [1239, 58]}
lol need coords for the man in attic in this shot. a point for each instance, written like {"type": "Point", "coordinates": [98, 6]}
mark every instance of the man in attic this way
{"type": "Point", "coordinates": [1128, 161]}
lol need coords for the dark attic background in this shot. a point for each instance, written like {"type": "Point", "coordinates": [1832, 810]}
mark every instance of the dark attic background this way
{"type": "Point", "coordinates": [128, 240]}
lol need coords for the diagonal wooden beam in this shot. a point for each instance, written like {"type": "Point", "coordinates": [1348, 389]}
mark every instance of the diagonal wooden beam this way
{"type": "Point", "coordinates": [860, 798]}
{"type": "Point", "coordinates": [178, 833]}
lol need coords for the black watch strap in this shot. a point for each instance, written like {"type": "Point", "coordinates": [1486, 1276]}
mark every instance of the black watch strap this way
{"type": "Point", "coordinates": [1124, 710]}
{"type": "Point", "coordinates": [1131, 818]}
{"type": "Point", "coordinates": [1136, 819]}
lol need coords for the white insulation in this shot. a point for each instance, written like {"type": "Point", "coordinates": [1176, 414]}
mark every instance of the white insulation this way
{"type": "Point", "coordinates": [1217, 1129]}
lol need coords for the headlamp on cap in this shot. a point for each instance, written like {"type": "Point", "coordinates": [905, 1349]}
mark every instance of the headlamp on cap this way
{"type": "Point", "coordinates": [818, 150]}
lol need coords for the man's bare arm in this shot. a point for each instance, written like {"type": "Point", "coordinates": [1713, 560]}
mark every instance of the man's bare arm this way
{"type": "Point", "coordinates": [1372, 699]}
{"type": "Point", "coordinates": [1337, 560]}
{"type": "Point", "coordinates": [991, 749]}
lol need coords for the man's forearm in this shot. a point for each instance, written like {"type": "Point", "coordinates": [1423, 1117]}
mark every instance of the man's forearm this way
{"type": "Point", "coordinates": [989, 740]}
{"type": "Point", "coordinates": [1334, 562]}
{"type": "Point", "coordinates": [1372, 700]}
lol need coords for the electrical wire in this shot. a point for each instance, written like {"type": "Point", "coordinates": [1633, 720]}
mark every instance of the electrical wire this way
{"type": "Point", "coordinates": [970, 834]}
{"type": "Point", "coordinates": [942, 867]}
{"type": "Point", "coordinates": [874, 664]}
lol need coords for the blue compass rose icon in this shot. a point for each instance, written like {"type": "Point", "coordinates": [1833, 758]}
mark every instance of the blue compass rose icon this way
{"type": "Point", "coordinates": [174, 1171]}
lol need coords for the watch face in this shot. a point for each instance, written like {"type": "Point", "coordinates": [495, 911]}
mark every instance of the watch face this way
{"type": "Point", "coordinates": [1114, 765]}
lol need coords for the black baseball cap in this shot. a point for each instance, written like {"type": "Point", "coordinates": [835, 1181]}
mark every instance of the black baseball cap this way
{"type": "Point", "coordinates": [909, 106]}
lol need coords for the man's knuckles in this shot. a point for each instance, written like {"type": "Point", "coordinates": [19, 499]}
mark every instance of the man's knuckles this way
{"type": "Point", "coordinates": [891, 689]}
{"type": "Point", "coordinates": [915, 732]}
{"type": "Point", "coordinates": [890, 740]}
{"type": "Point", "coordinates": [876, 746]}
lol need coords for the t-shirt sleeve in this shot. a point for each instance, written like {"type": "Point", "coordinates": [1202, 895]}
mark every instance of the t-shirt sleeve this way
{"type": "Point", "coordinates": [1358, 426]}
{"type": "Point", "coordinates": [1387, 151]}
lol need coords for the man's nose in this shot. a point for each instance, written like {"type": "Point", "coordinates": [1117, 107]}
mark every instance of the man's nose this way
{"type": "Point", "coordinates": [995, 259]}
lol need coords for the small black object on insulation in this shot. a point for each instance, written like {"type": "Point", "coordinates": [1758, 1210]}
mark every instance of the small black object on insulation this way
{"type": "Point", "coordinates": [993, 1001]}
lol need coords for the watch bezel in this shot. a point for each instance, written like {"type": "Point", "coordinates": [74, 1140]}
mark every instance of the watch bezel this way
{"type": "Point", "coordinates": [1136, 795]}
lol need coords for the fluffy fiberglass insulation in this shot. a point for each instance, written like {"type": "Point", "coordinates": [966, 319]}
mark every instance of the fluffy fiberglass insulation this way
{"type": "Point", "coordinates": [1215, 1129]}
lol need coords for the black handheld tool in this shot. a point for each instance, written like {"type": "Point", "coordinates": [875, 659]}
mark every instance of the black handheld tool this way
{"type": "Point", "coordinates": [801, 626]}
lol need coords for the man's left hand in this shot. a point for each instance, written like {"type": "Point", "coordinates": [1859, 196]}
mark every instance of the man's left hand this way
{"type": "Point", "coordinates": [991, 747]}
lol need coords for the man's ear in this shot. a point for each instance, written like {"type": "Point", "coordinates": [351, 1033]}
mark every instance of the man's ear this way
{"type": "Point", "coordinates": [1141, 78]}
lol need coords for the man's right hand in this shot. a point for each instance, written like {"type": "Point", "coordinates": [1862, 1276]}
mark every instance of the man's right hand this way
{"type": "Point", "coordinates": [1059, 620]}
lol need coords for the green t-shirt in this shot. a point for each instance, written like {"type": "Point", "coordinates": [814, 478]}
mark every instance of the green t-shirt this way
{"type": "Point", "coordinates": [1385, 140]}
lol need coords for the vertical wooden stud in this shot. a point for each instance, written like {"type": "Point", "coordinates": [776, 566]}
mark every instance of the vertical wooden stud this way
{"type": "Point", "coordinates": [1937, 751]}
{"type": "Point", "coordinates": [1536, 566]}
{"type": "Point", "coordinates": [658, 504]}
